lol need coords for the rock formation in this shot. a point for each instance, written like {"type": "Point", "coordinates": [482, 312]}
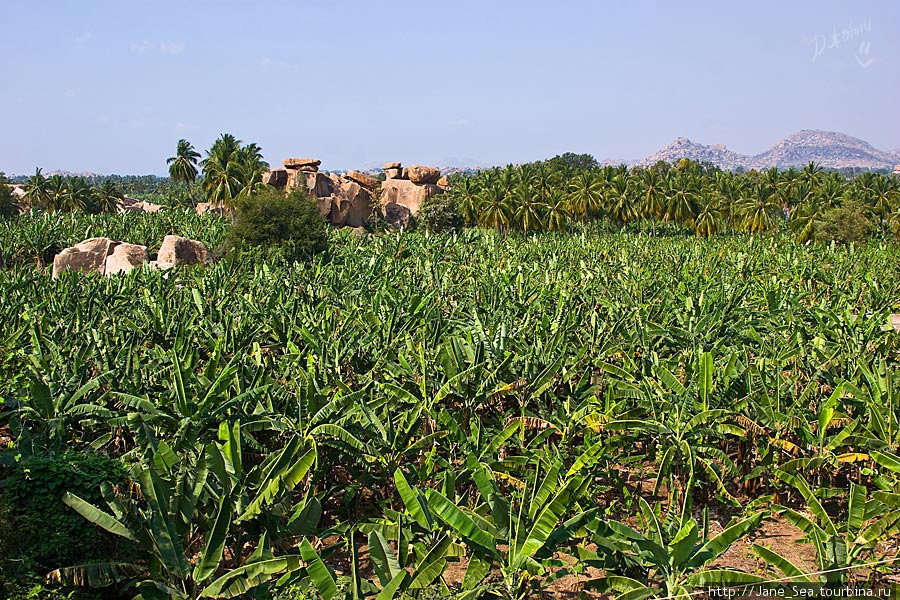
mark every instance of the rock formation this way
{"type": "Point", "coordinates": [103, 255]}
{"type": "Point", "coordinates": [347, 200]}
{"type": "Point", "coordinates": [344, 200]}
{"type": "Point", "coordinates": [84, 257]}
{"type": "Point", "coordinates": [177, 250]}
{"type": "Point", "coordinates": [407, 188]}
{"type": "Point", "coordinates": [125, 257]}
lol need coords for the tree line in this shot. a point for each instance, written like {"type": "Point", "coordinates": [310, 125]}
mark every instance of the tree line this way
{"type": "Point", "coordinates": [555, 194]}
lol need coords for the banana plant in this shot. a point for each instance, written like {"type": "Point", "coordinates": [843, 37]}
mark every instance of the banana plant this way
{"type": "Point", "coordinates": [840, 545]}
{"type": "Point", "coordinates": [517, 531]}
{"type": "Point", "coordinates": [191, 522]}
{"type": "Point", "coordinates": [670, 554]}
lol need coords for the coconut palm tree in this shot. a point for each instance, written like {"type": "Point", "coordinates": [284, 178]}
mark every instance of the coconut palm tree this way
{"type": "Point", "coordinates": [527, 207]}
{"type": "Point", "coordinates": [222, 173]}
{"type": "Point", "coordinates": [106, 197]}
{"type": "Point", "coordinates": [556, 213]}
{"type": "Point", "coordinates": [494, 208]}
{"type": "Point", "coordinates": [709, 217]}
{"type": "Point", "coordinates": [251, 166]}
{"type": "Point", "coordinates": [683, 199]}
{"type": "Point", "coordinates": [585, 195]}
{"type": "Point", "coordinates": [465, 192]}
{"type": "Point", "coordinates": [884, 197]}
{"type": "Point", "coordinates": [183, 166]}
{"type": "Point", "coordinates": [759, 209]}
{"type": "Point", "coordinates": [55, 193]}
{"type": "Point", "coordinates": [37, 193]}
{"type": "Point", "coordinates": [619, 205]}
{"type": "Point", "coordinates": [77, 195]}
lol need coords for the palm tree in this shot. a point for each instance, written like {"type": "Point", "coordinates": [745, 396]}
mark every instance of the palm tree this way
{"type": "Point", "coordinates": [682, 201]}
{"type": "Point", "coordinates": [183, 166]}
{"type": "Point", "coordinates": [77, 195]}
{"type": "Point", "coordinates": [653, 206]}
{"type": "Point", "coordinates": [106, 197]}
{"type": "Point", "coordinates": [556, 214]}
{"type": "Point", "coordinates": [493, 208]}
{"type": "Point", "coordinates": [709, 218]}
{"type": "Point", "coordinates": [222, 174]}
{"type": "Point", "coordinates": [812, 174]}
{"type": "Point", "coordinates": [527, 211]}
{"type": "Point", "coordinates": [884, 197]}
{"type": "Point", "coordinates": [806, 217]}
{"type": "Point", "coordinates": [37, 193]}
{"type": "Point", "coordinates": [619, 205]}
{"type": "Point", "coordinates": [465, 192]}
{"type": "Point", "coordinates": [585, 195]}
{"type": "Point", "coordinates": [759, 209]}
{"type": "Point", "coordinates": [251, 166]}
{"type": "Point", "coordinates": [56, 193]}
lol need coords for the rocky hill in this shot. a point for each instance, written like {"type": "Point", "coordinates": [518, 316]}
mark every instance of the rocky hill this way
{"type": "Point", "coordinates": [829, 149]}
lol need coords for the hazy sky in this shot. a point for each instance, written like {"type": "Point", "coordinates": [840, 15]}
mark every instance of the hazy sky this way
{"type": "Point", "coordinates": [110, 86]}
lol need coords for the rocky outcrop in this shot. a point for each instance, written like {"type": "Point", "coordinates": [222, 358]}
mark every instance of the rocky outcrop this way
{"type": "Point", "coordinates": [443, 182]}
{"type": "Point", "coordinates": [88, 256]}
{"type": "Point", "coordinates": [407, 193]}
{"type": "Point", "coordinates": [419, 174]}
{"type": "Point", "coordinates": [393, 170]}
{"type": "Point", "coordinates": [124, 258]}
{"type": "Point", "coordinates": [177, 250]}
{"type": "Point", "coordinates": [212, 208]}
{"type": "Point", "coordinates": [103, 255]}
{"type": "Point", "coordinates": [396, 215]}
{"type": "Point", "coordinates": [367, 181]}
{"type": "Point", "coordinates": [133, 205]}
{"type": "Point", "coordinates": [276, 178]}
{"type": "Point", "coordinates": [303, 164]}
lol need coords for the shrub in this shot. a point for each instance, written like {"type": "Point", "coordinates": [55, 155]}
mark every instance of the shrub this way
{"type": "Point", "coordinates": [270, 218]}
{"type": "Point", "coordinates": [8, 204]}
{"type": "Point", "coordinates": [440, 214]}
{"type": "Point", "coordinates": [39, 532]}
{"type": "Point", "coordinates": [844, 224]}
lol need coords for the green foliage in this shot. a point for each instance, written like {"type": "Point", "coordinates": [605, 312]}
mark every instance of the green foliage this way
{"type": "Point", "coordinates": [9, 206]}
{"type": "Point", "coordinates": [440, 214]}
{"type": "Point", "coordinates": [37, 531]}
{"type": "Point", "coordinates": [845, 224]}
{"type": "Point", "coordinates": [272, 219]}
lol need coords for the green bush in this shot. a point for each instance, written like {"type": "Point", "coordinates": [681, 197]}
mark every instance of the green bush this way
{"type": "Point", "coordinates": [440, 214]}
{"type": "Point", "coordinates": [272, 219]}
{"type": "Point", "coordinates": [38, 532]}
{"type": "Point", "coordinates": [846, 223]}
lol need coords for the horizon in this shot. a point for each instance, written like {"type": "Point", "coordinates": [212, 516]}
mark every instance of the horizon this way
{"type": "Point", "coordinates": [110, 89]}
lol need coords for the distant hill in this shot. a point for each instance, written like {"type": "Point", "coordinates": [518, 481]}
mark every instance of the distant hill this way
{"type": "Point", "coordinates": [829, 149]}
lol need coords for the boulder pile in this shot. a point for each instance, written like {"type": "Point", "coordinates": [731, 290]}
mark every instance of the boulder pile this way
{"type": "Point", "coordinates": [106, 256]}
{"type": "Point", "coordinates": [404, 191]}
{"type": "Point", "coordinates": [345, 200]}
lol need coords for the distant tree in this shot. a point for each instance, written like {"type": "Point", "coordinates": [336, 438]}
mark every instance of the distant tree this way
{"type": "Point", "coordinates": [183, 166]}
{"type": "Point", "coordinates": [759, 209]}
{"type": "Point", "coordinates": [585, 195]}
{"type": "Point", "coordinates": [56, 193]}
{"type": "Point", "coordinates": [556, 213]}
{"type": "Point", "coordinates": [290, 223]}
{"type": "Point", "coordinates": [574, 161]}
{"type": "Point", "coordinates": [440, 214]}
{"type": "Point", "coordinates": [494, 208]}
{"type": "Point", "coordinates": [37, 193]}
{"type": "Point", "coordinates": [77, 195]}
{"type": "Point", "coordinates": [106, 197]}
{"type": "Point", "coordinates": [845, 224]}
{"type": "Point", "coordinates": [8, 203]}
{"type": "Point", "coordinates": [222, 171]}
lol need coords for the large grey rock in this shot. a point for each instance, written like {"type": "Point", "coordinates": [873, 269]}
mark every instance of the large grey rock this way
{"type": "Point", "coordinates": [213, 208]}
{"type": "Point", "coordinates": [351, 205]}
{"type": "Point", "coordinates": [396, 215]}
{"type": "Point", "coordinates": [177, 250]}
{"type": "Point", "coordinates": [367, 181]}
{"type": "Point", "coordinates": [277, 178]}
{"type": "Point", "coordinates": [125, 257]}
{"type": "Point", "coordinates": [88, 256]}
{"type": "Point", "coordinates": [318, 184]}
{"type": "Point", "coordinates": [307, 164]}
{"type": "Point", "coordinates": [407, 193]}
{"type": "Point", "coordinates": [420, 174]}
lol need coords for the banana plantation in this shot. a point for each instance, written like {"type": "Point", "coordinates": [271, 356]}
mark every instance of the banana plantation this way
{"type": "Point", "coordinates": [582, 414]}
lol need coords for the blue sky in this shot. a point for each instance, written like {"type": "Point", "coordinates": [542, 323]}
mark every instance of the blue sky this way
{"type": "Point", "coordinates": [110, 86]}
